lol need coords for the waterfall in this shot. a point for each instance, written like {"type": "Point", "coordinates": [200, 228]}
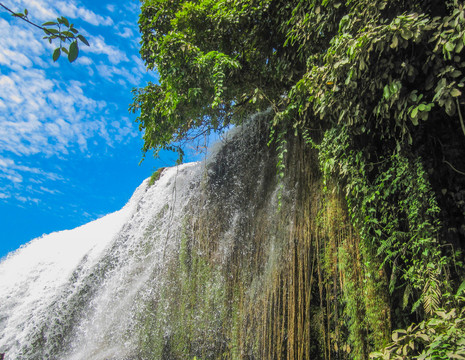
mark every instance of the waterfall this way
{"type": "Point", "coordinates": [213, 260]}
{"type": "Point", "coordinates": [75, 294]}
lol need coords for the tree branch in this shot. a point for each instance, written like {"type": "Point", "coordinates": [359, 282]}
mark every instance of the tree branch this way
{"type": "Point", "coordinates": [22, 17]}
{"type": "Point", "coordinates": [453, 168]}
{"type": "Point", "coordinates": [460, 116]}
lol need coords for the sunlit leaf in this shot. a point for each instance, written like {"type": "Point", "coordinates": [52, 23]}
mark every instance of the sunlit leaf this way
{"type": "Point", "coordinates": [450, 46]}
{"type": "Point", "coordinates": [455, 92]}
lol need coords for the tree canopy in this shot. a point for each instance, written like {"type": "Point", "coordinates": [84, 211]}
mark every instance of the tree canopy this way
{"type": "Point", "coordinates": [360, 63]}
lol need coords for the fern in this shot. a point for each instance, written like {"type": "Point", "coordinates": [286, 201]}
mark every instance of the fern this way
{"type": "Point", "coordinates": [461, 289]}
{"type": "Point", "coordinates": [431, 293]}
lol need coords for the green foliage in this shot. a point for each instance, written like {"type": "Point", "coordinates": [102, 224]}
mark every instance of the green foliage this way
{"type": "Point", "coordinates": [212, 73]}
{"type": "Point", "coordinates": [440, 337]}
{"type": "Point", "coordinates": [155, 176]}
{"type": "Point", "coordinates": [396, 213]}
{"type": "Point", "coordinates": [61, 30]}
{"type": "Point", "coordinates": [64, 32]}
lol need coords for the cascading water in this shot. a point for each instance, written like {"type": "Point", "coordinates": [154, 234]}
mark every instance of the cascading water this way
{"type": "Point", "coordinates": [75, 294]}
{"type": "Point", "coordinates": [210, 262]}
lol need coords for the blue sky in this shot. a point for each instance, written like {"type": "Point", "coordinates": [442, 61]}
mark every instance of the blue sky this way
{"type": "Point", "coordinates": [69, 148]}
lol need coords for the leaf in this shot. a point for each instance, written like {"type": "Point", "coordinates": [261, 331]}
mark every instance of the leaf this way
{"type": "Point", "coordinates": [395, 42]}
{"type": "Point", "coordinates": [406, 33]}
{"type": "Point", "coordinates": [49, 23]}
{"type": "Point", "coordinates": [455, 92]}
{"type": "Point", "coordinates": [424, 337]}
{"type": "Point", "coordinates": [459, 47]}
{"type": "Point", "coordinates": [450, 107]}
{"type": "Point", "coordinates": [386, 92]}
{"type": "Point", "coordinates": [73, 51]}
{"type": "Point", "coordinates": [455, 356]}
{"type": "Point", "coordinates": [461, 288]}
{"type": "Point", "coordinates": [376, 354]}
{"type": "Point", "coordinates": [64, 21]}
{"type": "Point", "coordinates": [450, 46]}
{"type": "Point", "coordinates": [407, 293]}
{"type": "Point", "coordinates": [50, 31]}
{"type": "Point", "coordinates": [395, 87]}
{"type": "Point", "coordinates": [56, 54]}
{"type": "Point", "coordinates": [68, 34]}
{"type": "Point", "coordinates": [83, 39]}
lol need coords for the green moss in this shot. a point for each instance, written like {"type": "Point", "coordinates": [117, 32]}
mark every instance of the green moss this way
{"type": "Point", "coordinates": [156, 175]}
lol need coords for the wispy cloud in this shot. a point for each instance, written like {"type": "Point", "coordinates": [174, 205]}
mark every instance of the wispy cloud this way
{"type": "Point", "coordinates": [46, 10]}
{"type": "Point", "coordinates": [10, 167]}
{"type": "Point", "coordinates": [23, 182]}
{"type": "Point", "coordinates": [99, 46]}
{"type": "Point", "coordinates": [39, 114]}
{"type": "Point", "coordinates": [125, 33]}
{"type": "Point", "coordinates": [70, 9]}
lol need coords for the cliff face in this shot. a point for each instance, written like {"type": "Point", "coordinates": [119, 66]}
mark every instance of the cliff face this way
{"type": "Point", "coordinates": [224, 259]}
{"type": "Point", "coordinates": [268, 267]}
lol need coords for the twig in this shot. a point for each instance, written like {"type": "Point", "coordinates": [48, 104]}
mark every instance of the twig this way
{"type": "Point", "coordinates": [447, 162]}
{"type": "Point", "coordinates": [23, 17]}
{"type": "Point", "coordinates": [460, 116]}
{"type": "Point", "coordinates": [453, 168]}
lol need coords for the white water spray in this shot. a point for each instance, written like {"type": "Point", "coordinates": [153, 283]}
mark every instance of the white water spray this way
{"type": "Point", "coordinates": [74, 294]}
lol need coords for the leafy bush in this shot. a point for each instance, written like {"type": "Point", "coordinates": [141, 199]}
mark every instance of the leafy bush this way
{"type": "Point", "coordinates": [440, 337]}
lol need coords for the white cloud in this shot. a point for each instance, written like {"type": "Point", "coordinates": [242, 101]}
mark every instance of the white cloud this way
{"type": "Point", "coordinates": [67, 115]}
{"type": "Point", "coordinates": [38, 9]}
{"type": "Point", "coordinates": [28, 199]}
{"type": "Point", "coordinates": [49, 191]}
{"type": "Point", "coordinates": [15, 178]}
{"type": "Point", "coordinates": [83, 60]}
{"type": "Point", "coordinates": [70, 9]}
{"type": "Point", "coordinates": [132, 74]}
{"type": "Point", "coordinates": [48, 10]}
{"type": "Point", "coordinates": [126, 33]}
{"type": "Point", "coordinates": [99, 46]}
{"type": "Point", "coordinates": [10, 167]}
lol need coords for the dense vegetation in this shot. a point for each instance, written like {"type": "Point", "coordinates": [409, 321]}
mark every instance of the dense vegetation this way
{"type": "Point", "coordinates": [376, 89]}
